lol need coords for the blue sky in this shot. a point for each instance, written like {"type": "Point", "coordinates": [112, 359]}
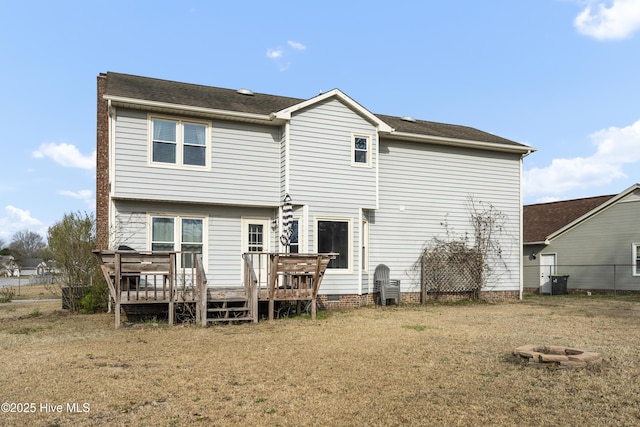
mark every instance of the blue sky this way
{"type": "Point", "coordinates": [560, 75]}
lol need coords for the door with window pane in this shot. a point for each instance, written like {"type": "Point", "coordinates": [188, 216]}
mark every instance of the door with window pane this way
{"type": "Point", "coordinates": [255, 239]}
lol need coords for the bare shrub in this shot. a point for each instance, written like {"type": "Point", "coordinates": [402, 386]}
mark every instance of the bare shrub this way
{"type": "Point", "coordinates": [459, 264]}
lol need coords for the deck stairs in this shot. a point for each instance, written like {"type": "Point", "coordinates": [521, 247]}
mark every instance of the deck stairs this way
{"type": "Point", "coordinates": [226, 305]}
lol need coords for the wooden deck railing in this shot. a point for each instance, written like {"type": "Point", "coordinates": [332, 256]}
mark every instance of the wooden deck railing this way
{"type": "Point", "coordinates": [251, 284]}
{"type": "Point", "coordinates": [286, 277]}
{"type": "Point", "coordinates": [152, 277]}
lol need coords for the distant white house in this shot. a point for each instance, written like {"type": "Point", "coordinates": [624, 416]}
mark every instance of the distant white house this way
{"type": "Point", "coordinates": [8, 266]}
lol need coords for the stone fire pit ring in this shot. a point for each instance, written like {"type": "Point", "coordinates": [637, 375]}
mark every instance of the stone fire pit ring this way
{"type": "Point", "coordinates": [565, 357]}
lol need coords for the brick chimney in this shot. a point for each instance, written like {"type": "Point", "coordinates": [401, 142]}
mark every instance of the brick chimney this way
{"type": "Point", "coordinates": [102, 167]}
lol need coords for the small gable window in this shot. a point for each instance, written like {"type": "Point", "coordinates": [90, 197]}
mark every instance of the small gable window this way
{"type": "Point", "coordinates": [361, 150]}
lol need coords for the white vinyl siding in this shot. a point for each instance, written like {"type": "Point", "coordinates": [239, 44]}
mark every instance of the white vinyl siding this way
{"type": "Point", "coordinates": [424, 185]}
{"type": "Point", "coordinates": [320, 159]}
{"type": "Point", "coordinates": [243, 164]}
{"type": "Point", "coordinates": [322, 178]}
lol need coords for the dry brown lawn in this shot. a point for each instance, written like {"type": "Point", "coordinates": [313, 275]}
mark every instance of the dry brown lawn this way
{"type": "Point", "coordinates": [415, 365]}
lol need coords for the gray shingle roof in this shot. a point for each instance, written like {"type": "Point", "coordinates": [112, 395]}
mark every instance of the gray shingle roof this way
{"type": "Point", "coordinates": [187, 94]}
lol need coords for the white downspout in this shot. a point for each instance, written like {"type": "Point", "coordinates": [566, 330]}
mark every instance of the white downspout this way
{"type": "Point", "coordinates": [521, 250]}
{"type": "Point", "coordinates": [287, 159]}
{"type": "Point", "coordinates": [359, 266]}
{"type": "Point", "coordinates": [111, 113]}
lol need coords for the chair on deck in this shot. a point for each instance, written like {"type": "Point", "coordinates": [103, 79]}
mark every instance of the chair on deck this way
{"type": "Point", "coordinates": [388, 288]}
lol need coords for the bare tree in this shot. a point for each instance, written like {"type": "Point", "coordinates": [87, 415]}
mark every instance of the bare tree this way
{"type": "Point", "coordinates": [27, 244]}
{"type": "Point", "coordinates": [489, 232]}
{"type": "Point", "coordinates": [71, 242]}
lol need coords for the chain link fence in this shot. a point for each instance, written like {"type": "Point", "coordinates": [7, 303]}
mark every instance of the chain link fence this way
{"type": "Point", "coordinates": [595, 278]}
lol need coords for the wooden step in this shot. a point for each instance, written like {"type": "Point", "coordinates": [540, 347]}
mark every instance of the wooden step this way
{"type": "Point", "coordinates": [227, 309]}
{"type": "Point", "coordinates": [229, 319]}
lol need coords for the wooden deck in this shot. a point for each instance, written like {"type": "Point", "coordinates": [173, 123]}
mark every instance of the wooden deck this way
{"type": "Point", "coordinates": [147, 278]}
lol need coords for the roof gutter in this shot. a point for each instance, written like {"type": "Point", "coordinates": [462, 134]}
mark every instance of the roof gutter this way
{"type": "Point", "coordinates": [492, 146]}
{"type": "Point", "coordinates": [159, 106]}
{"type": "Point", "coordinates": [542, 242]}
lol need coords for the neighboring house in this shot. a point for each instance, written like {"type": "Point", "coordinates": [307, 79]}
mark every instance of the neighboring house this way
{"type": "Point", "coordinates": [595, 241]}
{"type": "Point", "coordinates": [8, 266]}
{"type": "Point", "coordinates": [29, 266]}
{"type": "Point", "coordinates": [198, 168]}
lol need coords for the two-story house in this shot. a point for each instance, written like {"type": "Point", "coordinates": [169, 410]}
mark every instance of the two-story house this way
{"type": "Point", "coordinates": [186, 167]}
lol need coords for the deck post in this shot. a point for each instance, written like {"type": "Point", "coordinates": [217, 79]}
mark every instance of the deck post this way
{"type": "Point", "coordinates": [118, 286]}
{"type": "Point", "coordinates": [203, 304]}
{"type": "Point", "coordinates": [254, 301]}
{"type": "Point", "coordinates": [272, 284]}
{"type": "Point", "coordinates": [172, 263]}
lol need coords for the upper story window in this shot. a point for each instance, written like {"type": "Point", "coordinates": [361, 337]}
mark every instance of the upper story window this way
{"type": "Point", "coordinates": [361, 150]}
{"type": "Point", "coordinates": [178, 142]}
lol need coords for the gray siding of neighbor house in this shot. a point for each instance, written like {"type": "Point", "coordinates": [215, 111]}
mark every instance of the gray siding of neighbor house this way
{"type": "Point", "coordinates": [423, 186]}
{"type": "Point", "coordinates": [531, 266]}
{"type": "Point", "coordinates": [323, 178]}
{"type": "Point", "coordinates": [244, 165]}
{"type": "Point", "coordinates": [588, 251]}
{"type": "Point", "coordinates": [223, 244]}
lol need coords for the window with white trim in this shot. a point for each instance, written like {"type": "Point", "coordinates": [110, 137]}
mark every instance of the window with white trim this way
{"type": "Point", "coordinates": [175, 233]}
{"type": "Point", "coordinates": [635, 259]}
{"type": "Point", "coordinates": [178, 142]}
{"type": "Point", "coordinates": [361, 150]}
{"type": "Point", "coordinates": [334, 236]}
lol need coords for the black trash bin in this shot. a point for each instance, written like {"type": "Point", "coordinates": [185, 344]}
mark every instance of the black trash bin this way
{"type": "Point", "coordinates": [559, 285]}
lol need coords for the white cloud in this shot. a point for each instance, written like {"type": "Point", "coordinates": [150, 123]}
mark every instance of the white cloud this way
{"type": "Point", "coordinates": [620, 20]}
{"type": "Point", "coordinates": [279, 55]}
{"type": "Point", "coordinates": [84, 195]}
{"type": "Point", "coordinates": [616, 147]}
{"type": "Point", "coordinates": [81, 195]}
{"type": "Point", "coordinates": [274, 53]}
{"type": "Point", "coordinates": [16, 219]}
{"type": "Point", "coordinates": [296, 45]}
{"type": "Point", "coordinates": [66, 155]}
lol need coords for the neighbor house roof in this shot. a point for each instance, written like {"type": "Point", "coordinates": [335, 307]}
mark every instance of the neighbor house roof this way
{"type": "Point", "coordinates": [542, 220]}
{"type": "Point", "coordinates": [127, 90]}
